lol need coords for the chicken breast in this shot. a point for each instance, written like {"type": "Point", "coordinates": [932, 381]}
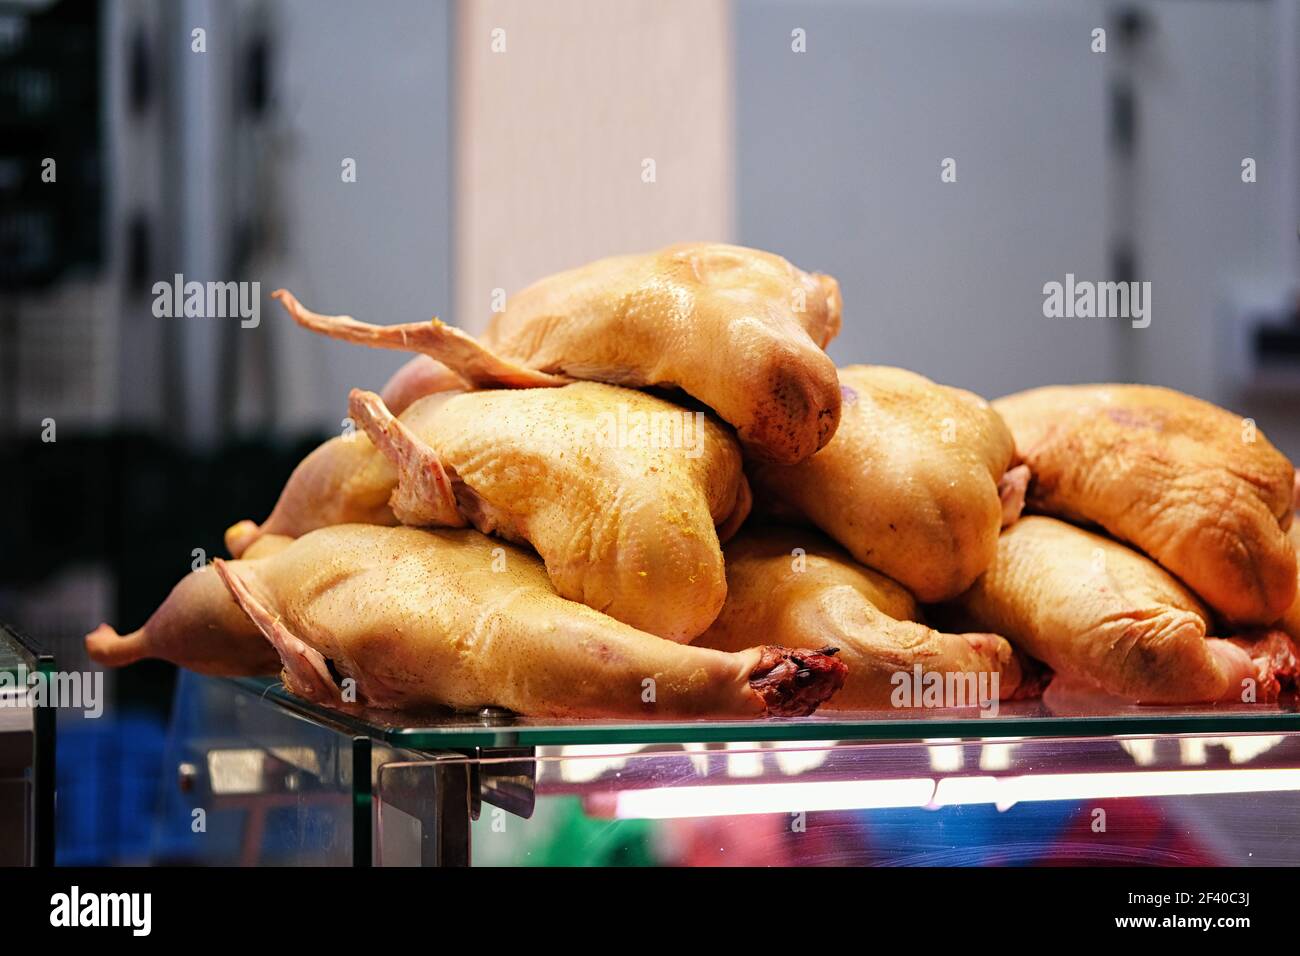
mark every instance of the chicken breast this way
{"type": "Point", "coordinates": [798, 588]}
{"type": "Point", "coordinates": [622, 494]}
{"type": "Point", "coordinates": [910, 482]}
{"type": "Point", "coordinates": [361, 615]}
{"type": "Point", "coordinates": [1102, 614]}
{"type": "Point", "coordinates": [741, 330]}
{"type": "Point", "coordinates": [1194, 486]}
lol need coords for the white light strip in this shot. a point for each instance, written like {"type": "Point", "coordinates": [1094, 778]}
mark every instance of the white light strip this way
{"type": "Point", "coordinates": [1141, 783]}
{"type": "Point", "coordinates": [1003, 792]}
{"type": "Point", "coordinates": [736, 799]}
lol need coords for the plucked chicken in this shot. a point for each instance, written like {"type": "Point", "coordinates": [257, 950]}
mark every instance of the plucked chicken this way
{"type": "Point", "coordinates": [1290, 621]}
{"type": "Point", "coordinates": [623, 494]}
{"type": "Point", "coordinates": [797, 587]}
{"type": "Point", "coordinates": [740, 330]}
{"type": "Point", "coordinates": [1194, 486]}
{"type": "Point", "coordinates": [199, 627]}
{"type": "Point", "coordinates": [914, 483]}
{"type": "Point", "coordinates": [1104, 615]}
{"type": "Point", "coordinates": [420, 618]}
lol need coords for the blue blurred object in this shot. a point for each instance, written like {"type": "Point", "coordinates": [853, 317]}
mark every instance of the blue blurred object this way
{"type": "Point", "coordinates": [977, 835]}
{"type": "Point", "coordinates": [108, 776]}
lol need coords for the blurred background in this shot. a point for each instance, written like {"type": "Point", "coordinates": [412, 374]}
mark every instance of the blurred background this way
{"type": "Point", "coordinates": [409, 158]}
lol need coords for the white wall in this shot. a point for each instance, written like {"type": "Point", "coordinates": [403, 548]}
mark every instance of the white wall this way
{"type": "Point", "coordinates": [552, 133]}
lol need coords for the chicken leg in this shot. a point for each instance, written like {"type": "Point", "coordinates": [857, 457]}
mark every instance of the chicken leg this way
{"type": "Point", "coordinates": [1194, 486]}
{"type": "Point", "coordinates": [914, 483]}
{"type": "Point", "coordinates": [796, 587]}
{"type": "Point", "coordinates": [1102, 614]}
{"type": "Point", "coordinates": [626, 515]}
{"type": "Point", "coordinates": [422, 618]}
{"type": "Point", "coordinates": [740, 330]}
{"type": "Point", "coordinates": [199, 627]}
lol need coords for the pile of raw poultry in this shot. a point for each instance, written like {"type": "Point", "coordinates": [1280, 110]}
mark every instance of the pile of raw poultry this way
{"type": "Point", "coordinates": [647, 492]}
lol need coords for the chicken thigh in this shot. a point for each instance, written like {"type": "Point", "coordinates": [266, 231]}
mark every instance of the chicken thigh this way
{"type": "Point", "coordinates": [910, 483]}
{"type": "Point", "coordinates": [420, 618]}
{"type": "Point", "coordinates": [740, 330]}
{"type": "Point", "coordinates": [1104, 615]}
{"type": "Point", "coordinates": [797, 587]}
{"type": "Point", "coordinates": [623, 494]}
{"type": "Point", "coordinates": [1194, 486]}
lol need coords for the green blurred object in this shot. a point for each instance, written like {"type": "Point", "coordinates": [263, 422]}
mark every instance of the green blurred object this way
{"type": "Point", "coordinates": [562, 834]}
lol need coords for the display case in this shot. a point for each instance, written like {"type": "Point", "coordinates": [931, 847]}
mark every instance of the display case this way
{"type": "Point", "coordinates": [27, 745]}
{"type": "Point", "coordinates": [263, 777]}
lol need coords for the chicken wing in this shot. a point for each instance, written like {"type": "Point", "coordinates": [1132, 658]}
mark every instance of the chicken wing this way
{"type": "Point", "coordinates": [623, 494]}
{"type": "Point", "coordinates": [1104, 615]}
{"type": "Point", "coordinates": [420, 618]}
{"type": "Point", "coordinates": [797, 587]}
{"type": "Point", "coordinates": [1194, 486]}
{"type": "Point", "coordinates": [740, 330]}
{"type": "Point", "coordinates": [910, 482]}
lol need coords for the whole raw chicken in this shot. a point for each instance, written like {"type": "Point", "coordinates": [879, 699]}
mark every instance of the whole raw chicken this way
{"type": "Point", "coordinates": [796, 587]}
{"type": "Point", "coordinates": [1194, 486]}
{"type": "Point", "coordinates": [452, 618]}
{"type": "Point", "coordinates": [742, 331]}
{"type": "Point", "coordinates": [1290, 621]}
{"type": "Point", "coordinates": [914, 482]}
{"type": "Point", "coordinates": [1102, 614]}
{"type": "Point", "coordinates": [623, 494]}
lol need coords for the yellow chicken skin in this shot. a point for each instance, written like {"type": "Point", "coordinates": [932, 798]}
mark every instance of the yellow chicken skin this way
{"type": "Point", "coordinates": [910, 482]}
{"type": "Point", "coordinates": [199, 627]}
{"type": "Point", "coordinates": [1194, 486]}
{"type": "Point", "coordinates": [452, 618]}
{"type": "Point", "coordinates": [1290, 621]}
{"type": "Point", "coordinates": [741, 330]}
{"type": "Point", "coordinates": [1101, 614]}
{"type": "Point", "coordinates": [624, 495]}
{"type": "Point", "coordinates": [794, 586]}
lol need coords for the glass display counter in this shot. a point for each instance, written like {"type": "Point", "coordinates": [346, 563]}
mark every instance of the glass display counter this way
{"type": "Point", "coordinates": [27, 742]}
{"type": "Point", "coordinates": [262, 777]}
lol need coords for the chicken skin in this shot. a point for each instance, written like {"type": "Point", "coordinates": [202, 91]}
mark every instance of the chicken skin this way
{"type": "Point", "coordinates": [740, 330]}
{"type": "Point", "coordinates": [797, 587]}
{"type": "Point", "coordinates": [1103, 615]}
{"type": "Point", "coordinates": [910, 484]}
{"type": "Point", "coordinates": [1290, 621]}
{"type": "Point", "coordinates": [623, 494]}
{"type": "Point", "coordinates": [452, 618]}
{"type": "Point", "coordinates": [199, 627]}
{"type": "Point", "coordinates": [1192, 485]}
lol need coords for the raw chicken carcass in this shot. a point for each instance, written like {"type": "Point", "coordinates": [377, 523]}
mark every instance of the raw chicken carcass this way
{"type": "Point", "coordinates": [417, 378]}
{"type": "Point", "coordinates": [914, 482]}
{"type": "Point", "coordinates": [740, 330]}
{"type": "Point", "coordinates": [1290, 621]}
{"type": "Point", "coordinates": [623, 494]}
{"type": "Point", "coordinates": [796, 587]}
{"type": "Point", "coordinates": [422, 618]}
{"type": "Point", "coordinates": [198, 627]}
{"type": "Point", "coordinates": [1102, 614]}
{"type": "Point", "coordinates": [1194, 486]}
